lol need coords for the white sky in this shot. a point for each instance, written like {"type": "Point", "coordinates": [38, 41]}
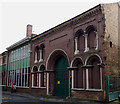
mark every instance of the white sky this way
{"type": "Point", "coordinates": [42, 14]}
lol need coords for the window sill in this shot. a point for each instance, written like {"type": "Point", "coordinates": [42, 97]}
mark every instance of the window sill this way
{"type": "Point", "coordinates": [34, 87]}
{"type": "Point", "coordinates": [2, 85]}
{"type": "Point", "coordinates": [94, 90]}
{"type": "Point", "coordinates": [91, 51]}
{"type": "Point", "coordinates": [42, 87]}
{"type": "Point", "coordinates": [80, 89]}
{"type": "Point", "coordinates": [38, 87]}
{"type": "Point", "coordinates": [19, 87]}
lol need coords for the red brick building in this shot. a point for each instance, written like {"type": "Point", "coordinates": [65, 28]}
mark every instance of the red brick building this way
{"type": "Point", "coordinates": [69, 59]}
{"type": "Point", "coordinates": [73, 58]}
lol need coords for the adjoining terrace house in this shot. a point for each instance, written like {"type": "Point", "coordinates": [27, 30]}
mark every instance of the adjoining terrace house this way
{"type": "Point", "coordinates": [3, 69]}
{"type": "Point", "coordinates": [19, 62]}
{"type": "Point", "coordinates": [74, 58]}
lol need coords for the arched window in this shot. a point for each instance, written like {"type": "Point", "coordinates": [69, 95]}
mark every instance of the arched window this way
{"type": "Point", "coordinates": [36, 54]}
{"type": "Point", "coordinates": [79, 41]}
{"type": "Point", "coordinates": [43, 76]}
{"type": "Point", "coordinates": [35, 77]}
{"type": "Point", "coordinates": [42, 46]}
{"type": "Point", "coordinates": [78, 73]}
{"type": "Point", "coordinates": [91, 38]}
{"type": "Point", "coordinates": [94, 73]}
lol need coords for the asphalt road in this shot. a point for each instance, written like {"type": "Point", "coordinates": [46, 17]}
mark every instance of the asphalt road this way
{"type": "Point", "coordinates": [17, 99]}
{"type": "Point", "coordinates": [20, 98]}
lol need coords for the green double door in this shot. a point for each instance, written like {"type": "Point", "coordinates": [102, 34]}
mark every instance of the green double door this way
{"type": "Point", "coordinates": [61, 78]}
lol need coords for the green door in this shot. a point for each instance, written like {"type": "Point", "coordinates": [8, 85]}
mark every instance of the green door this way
{"type": "Point", "coordinates": [61, 78]}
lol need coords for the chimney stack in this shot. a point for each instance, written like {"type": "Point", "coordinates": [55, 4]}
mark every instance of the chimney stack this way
{"type": "Point", "coordinates": [29, 30]}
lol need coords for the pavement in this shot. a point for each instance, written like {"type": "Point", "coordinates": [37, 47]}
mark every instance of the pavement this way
{"type": "Point", "coordinates": [35, 99]}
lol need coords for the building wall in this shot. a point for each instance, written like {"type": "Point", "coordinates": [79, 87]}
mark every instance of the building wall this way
{"type": "Point", "coordinates": [19, 66]}
{"type": "Point", "coordinates": [62, 42]}
{"type": "Point", "coordinates": [3, 70]}
{"type": "Point", "coordinates": [119, 37]}
{"type": "Point", "coordinates": [46, 48]}
{"type": "Point", "coordinates": [0, 69]}
{"type": "Point", "coordinates": [0, 63]}
{"type": "Point", "coordinates": [111, 38]}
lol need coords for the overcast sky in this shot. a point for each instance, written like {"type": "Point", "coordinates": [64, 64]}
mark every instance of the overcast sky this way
{"type": "Point", "coordinates": [43, 15]}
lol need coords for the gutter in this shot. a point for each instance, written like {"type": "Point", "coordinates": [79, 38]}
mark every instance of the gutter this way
{"type": "Point", "coordinates": [24, 40]}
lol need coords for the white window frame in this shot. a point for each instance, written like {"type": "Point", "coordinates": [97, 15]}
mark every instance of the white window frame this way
{"type": "Point", "coordinates": [73, 80]}
{"type": "Point", "coordinates": [87, 81]}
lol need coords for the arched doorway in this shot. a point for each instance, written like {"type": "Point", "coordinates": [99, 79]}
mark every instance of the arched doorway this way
{"type": "Point", "coordinates": [61, 77]}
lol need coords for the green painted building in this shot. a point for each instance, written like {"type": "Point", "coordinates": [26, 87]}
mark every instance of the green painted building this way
{"type": "Point", "coordinates": [19, 63]}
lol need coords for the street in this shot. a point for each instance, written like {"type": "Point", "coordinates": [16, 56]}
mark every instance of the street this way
{"type": "Point", "coordinates": [23, 98]}
{"type": "Point", "coordinates": [17, 98]}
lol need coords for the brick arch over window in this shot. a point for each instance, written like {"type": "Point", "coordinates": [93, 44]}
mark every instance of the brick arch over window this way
{"type": "Point", "coordinates": [90, 28]}
{"type": "Point", "coordinates": [80, 39]}
{"type": "Point", "coordinates": [42, 67]}
{"type": "Point", "coordinates": [79, 32]}
{"type": "Point", "coordinates": [78, 74]}
{"type": "Point", "coordinates": [92, 37]}
{"type": "Point", "coordinates": [94, 72]}
{"type": "Point", "coordinates": [34, 69]}
{"type": "Point", "coordinates": [42, 46]}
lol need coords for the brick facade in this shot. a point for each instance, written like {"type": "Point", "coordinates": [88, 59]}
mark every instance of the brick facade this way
{"type": "Point", "coordinates": [111, 38]}
{"type": "Point", "coordinates": [89, 42]}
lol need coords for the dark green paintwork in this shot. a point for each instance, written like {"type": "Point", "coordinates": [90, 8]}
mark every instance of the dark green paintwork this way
{"type": "Point", "coordinates": [3, 67]}
{"type": "Point", "coordinates": [23, 63]}
{"type": "Point", "coordinates": [112, 89]}
{"type": "Point", "coordinates": [61, 74]}
{"type": "Point", "coordinates": [107, 88]}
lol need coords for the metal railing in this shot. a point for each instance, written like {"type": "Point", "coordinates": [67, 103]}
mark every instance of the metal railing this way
{"type": "Point", "coordinates": [112, 88]}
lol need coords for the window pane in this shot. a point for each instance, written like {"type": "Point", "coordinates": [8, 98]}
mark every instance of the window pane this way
{"type": "Point", "coordinates": [44, 79]}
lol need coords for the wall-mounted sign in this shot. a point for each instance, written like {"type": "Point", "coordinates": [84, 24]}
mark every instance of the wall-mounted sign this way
{"type": "Point", "coordinates": [58, 82]}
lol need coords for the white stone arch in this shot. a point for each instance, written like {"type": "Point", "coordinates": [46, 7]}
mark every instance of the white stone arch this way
{"type": "Point", "coordinates": [53, 53]}
{"type": "Point", "coordinates": [33, 75]}
{"type": "Point", "coordinates": [40, 66]}
{"type": "Point", "coordinates": [87, 80]}
{"type": "Point", "coordinates": [33, 67]}
{"type": "Point", "coordinates": [48, 61]}
{"type": "Point", "coordinates": [71, 65]}
{"type": "Point", "coordinates": [91, 56]}
{"type": "Point", "coordinates": [89, 28]}
{"type": "Point", "coordinates": [39, 83]}
{"type": "Point", "coordinates": [75, 59]}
